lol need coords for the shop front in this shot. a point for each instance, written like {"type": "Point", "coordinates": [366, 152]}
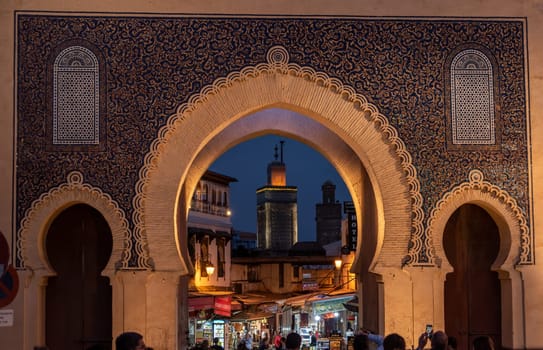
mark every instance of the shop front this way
{"type": "Point", "coordinates": [333, 320]}
{"type": "Point", "coordinates": [259, 324]}
{"type": "Point", "coordinates": [209, 318]}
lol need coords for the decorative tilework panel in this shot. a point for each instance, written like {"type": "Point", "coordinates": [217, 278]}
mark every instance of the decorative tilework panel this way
{"type": "Point", "coordinates": [472, 99]}
{"type": "Point", "coordinates": [76, 103]}
{"type": "Point", "coordinates": [154, 64]}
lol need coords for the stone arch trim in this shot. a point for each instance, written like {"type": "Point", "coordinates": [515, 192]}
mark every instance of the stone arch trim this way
{"type": "Point", "coordinates": [515, 247]}
{"type": "Point", "coordinates": [283, 84]}
{"type": "Point", "coordinates": [31, 236]}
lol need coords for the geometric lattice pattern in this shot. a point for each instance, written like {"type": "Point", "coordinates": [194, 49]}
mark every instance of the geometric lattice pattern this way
{"type": "Point", "coordinates": [76, 97]}
{"type": "Point", "coordinates": [472, 99]}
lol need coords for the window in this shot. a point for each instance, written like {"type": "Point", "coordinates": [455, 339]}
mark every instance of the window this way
{"type": "Point", "coordinates": [252, 273]}
{"type": "Point", "coordinates": [296, 271]}
{"type": "Point", "coordinates": [192, 249]}
{"type": "Point", "coordinates": [221, 260]}
{"type": "Point", "coordinates": [204, 256]}
{"type": "Point", "coordinates": [76, 97]}
{"type": "Point", "coordinates": [472, 109]}
{"type": "Point", "coordinates": [204, 193]}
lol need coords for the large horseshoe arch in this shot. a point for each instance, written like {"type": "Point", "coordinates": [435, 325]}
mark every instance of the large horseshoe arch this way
{"type": "Point", "coordinates": [334, 107]}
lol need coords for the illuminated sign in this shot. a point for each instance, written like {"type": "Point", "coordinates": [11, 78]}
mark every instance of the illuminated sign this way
{"type": "Point", "coordinates": [310, 284]}
{"type": "Point", "coordinates": [352, 225]}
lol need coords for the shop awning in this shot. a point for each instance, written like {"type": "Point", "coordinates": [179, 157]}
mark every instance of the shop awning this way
{"type": "Point", "coordinates": [255, 298]}
{"type": "Point", "coordinates": [352, 305]}
{"type": "Point", "coordinates": [220, 305]}
{"type": "Point", "coordinates": [201, 303]}
{"type": "Point", "coordinates": [297, 301]}
{"type": "Point", "coordinates": [326, 304]}
{"type": "Point", "coordinates": [250, 316]}
{"type": "Point", "coordinates": [236, 305]}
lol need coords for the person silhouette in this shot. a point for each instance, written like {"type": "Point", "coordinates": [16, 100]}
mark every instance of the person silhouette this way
{"type": "Point", "coordinates": [130, 341]}
{"type": "Point", "coordinates": [216, 345]}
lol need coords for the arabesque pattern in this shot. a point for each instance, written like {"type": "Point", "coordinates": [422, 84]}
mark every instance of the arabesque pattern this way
{"type": "Point", "coordinates": [48, 204]}
{"type": "Point", "coordinates": [159, 65]}
{"type": "Point", "coordinates": [478, 184]}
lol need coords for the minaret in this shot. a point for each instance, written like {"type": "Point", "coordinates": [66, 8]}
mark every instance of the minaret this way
{"type": "Point", "coordinates": [328, 215]}
{"type": "Point", "coordinates": [277, 208]}
{"type": "Point", "coordinates": [277, 171]}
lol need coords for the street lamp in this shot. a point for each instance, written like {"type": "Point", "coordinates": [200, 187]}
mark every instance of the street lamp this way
{"type": "Point", "coordinates": [338, 263]}
{"type": "Point", "coordinates": [210, 269]}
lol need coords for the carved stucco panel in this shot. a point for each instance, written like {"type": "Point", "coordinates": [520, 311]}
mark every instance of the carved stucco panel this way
{"type": "Point", "coordinates": [515, 245]}
{"type": "Point", "coordinates": [31, 237]}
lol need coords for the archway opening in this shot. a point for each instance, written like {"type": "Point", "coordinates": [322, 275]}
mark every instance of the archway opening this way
{"type": "Point", "coordinates": [472, 292]}
{"type": "Point", "coordinates": [340, 124]}
{"type": "Point", "coordinates": [78, 299]}
{"type": "Point", "coordinates": [270, 127]}
{"type": "Point", "coordinates": [305, 168]}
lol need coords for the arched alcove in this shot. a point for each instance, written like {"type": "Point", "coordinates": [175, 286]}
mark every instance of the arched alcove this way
{"type": "Point", "coordinates": [31, 236]}
{"type": "Point", "coordinates": [513, 237]}
{"type": "Point", "coordinates": [31, 247]}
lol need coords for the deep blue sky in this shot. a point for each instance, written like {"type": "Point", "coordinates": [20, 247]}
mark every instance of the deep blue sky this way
{"type": "Point", "coordinates": [306, 168]}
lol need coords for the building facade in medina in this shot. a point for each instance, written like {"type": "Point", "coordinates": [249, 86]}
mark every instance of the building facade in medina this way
{"type": "Point", "coordinates": [328, 215]}
{"type": "Point", "coordinates": [431, 112]}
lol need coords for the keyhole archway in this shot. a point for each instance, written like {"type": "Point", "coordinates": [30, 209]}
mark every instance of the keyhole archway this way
{"type": "Point", "coordinates": [338, 109]}
{"type": "Point", "coordinates": [296, 126]}
{"type": "Point", "coordinates": [330, 117]}
{"type": "Point", "coordinates": [502, 217]}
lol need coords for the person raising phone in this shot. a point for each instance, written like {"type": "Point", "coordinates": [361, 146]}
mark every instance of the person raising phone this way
{"type": "Point", "coordinates": [438, 341]}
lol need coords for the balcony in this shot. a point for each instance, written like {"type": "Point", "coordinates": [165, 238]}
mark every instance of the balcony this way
{"type": "Point", "coordinates": [208, 208]}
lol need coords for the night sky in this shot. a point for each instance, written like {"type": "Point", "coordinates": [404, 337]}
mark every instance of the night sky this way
{"type": "Point", "coordinates": [306, 168]}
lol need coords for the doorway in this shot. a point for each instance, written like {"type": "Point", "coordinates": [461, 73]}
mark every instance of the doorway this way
{"type": "Point", "coordinates": [472, 292]}
{"type": "Point", "coordinates": [78, 298]}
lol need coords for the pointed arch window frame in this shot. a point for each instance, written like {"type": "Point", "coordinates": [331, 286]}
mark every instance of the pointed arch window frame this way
{"type": "Point", "coordinates": [100, 95]}
{"type": "Point", "coordinates": [449, 76]}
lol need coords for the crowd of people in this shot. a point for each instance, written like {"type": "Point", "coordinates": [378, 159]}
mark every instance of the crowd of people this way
{"type": "Point", "coordinates": [293, 341]}
{"type": "Point", "coordinates": [438, 341]}
{"type": "Point", "coordinates": [247, 342]}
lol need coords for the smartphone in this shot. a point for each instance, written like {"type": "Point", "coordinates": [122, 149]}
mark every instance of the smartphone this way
{"type": "Point", "coordinates": [429, 330]}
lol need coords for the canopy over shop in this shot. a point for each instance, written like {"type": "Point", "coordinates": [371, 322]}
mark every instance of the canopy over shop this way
{"type": "Point", "coordinates": [209, 317]}
{"type": "Point", "coordinates": [327, 314]}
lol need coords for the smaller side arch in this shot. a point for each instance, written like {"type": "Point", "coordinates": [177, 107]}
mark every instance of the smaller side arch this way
{"type": "Point", "coordinates": [31, 236]}
{"type": "Point", "coordinates": [511, 222]}
{"type": "Point", "coordinates": [514, 250]}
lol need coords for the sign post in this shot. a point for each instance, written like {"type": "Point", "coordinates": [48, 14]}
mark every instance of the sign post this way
{"type": "Point", "coordinates": [9, 281]}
